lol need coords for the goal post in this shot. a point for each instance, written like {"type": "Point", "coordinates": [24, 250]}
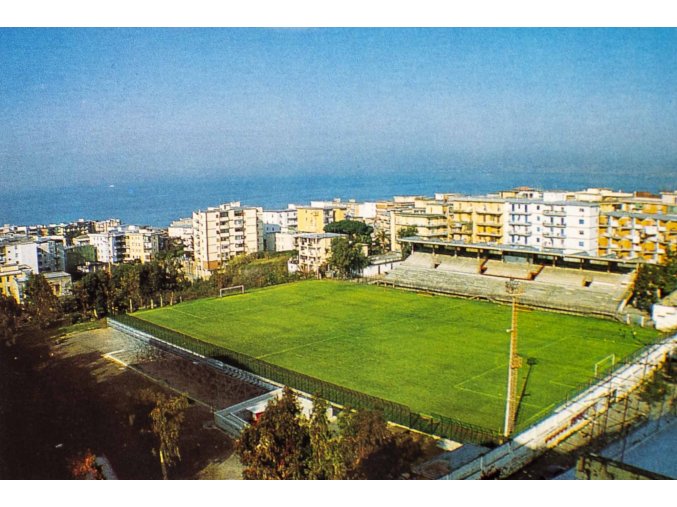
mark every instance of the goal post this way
{"type": "Point", "coordinates": [605, 364]}
{"type": "Point", "coordinates": [231, 291]}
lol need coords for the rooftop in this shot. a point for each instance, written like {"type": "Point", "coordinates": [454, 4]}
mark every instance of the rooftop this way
{"type": "Point", "coordinates": [319, 235]}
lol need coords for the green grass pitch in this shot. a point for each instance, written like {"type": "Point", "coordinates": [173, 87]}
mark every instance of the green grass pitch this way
{"type": "Point", "coordinates": [435, 354]}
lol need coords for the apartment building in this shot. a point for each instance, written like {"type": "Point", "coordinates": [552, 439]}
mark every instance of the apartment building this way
{"type": "Point", "coordinates": [646, 236]}
{"type": "Point", "coordinates": [109, 245]}
{"type": "Point", "coordinates": [314, 250]}
{"type": "Point", "coordinates": [141, 244]}
{"type": "Point", "coordinates": [313, 218]}
{"type": "Point", "coordinates": [568, 226]}
{"type": "Point", "coordinates": [126, 244]}
{"type": "Point", "coordinates": [13, 279]}
{"type": "Point", "coordinates": [428, 217]}
{"type": "Point", "coordinates": [182, 230]}
{"type": "Point", "coordinates": [222, 232]}
{"type": "Point", "coordinates": [40, 254]}
{"type": "Point", "coordinates": [279, 227]}
{"type": "Point", "coordinates": [476, 219]}
{"type": "Point", "coordinates": [284, 220]}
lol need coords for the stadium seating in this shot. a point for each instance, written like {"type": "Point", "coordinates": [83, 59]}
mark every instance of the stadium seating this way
{"type": "Point", "coordinates": [563, 289]}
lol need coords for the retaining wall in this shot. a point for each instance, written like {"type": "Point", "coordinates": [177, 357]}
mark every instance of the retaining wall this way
{"type": "Point", "coordinates": [214, 363]}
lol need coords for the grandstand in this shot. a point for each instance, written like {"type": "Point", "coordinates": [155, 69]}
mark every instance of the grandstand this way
{"type": "Point", "coordinates": [600, 289]}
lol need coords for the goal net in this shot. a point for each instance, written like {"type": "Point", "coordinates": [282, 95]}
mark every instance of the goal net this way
{"type": "Point", "coordinates": [230, 291]}
{"type": "Point", "coordinates": [604, 365]}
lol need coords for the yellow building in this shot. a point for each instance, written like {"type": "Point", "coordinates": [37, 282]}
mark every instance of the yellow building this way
{"type": "Point", "coordinates": [312, 219]}
{"type": "Point", "coordinates": [476, 219]}
{"type": "Point", "coordinates": [61, 283]}
{"type": "Point", "coordinates": [140, 244]}
{"type": "Point", "coordinates": [13, 280]}
{"type": "Point", "coordinates": [430, 222]}
{"type": "Point", "coordinates": [637, 235]}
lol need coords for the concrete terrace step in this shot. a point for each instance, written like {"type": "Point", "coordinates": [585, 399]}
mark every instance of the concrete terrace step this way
{"type": "Point", "coordinates": [536, 293]}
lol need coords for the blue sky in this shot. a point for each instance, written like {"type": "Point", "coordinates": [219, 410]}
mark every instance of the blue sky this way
{"type": "Point", "coordinates": [95, 105]}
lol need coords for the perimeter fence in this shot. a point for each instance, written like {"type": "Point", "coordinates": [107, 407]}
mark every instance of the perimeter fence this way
{"type": "Point", "coordinates": [397, 413]}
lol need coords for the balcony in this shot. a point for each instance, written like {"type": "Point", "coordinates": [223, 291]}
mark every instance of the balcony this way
{"type": "Point", "coordinates": [553, 235]}
{"type": "Point", "coordinates": [515, 222]}
{"type": "Point", "coordinates": [520, 233]}
{"type": "Point", "coordinates": [554, 213]}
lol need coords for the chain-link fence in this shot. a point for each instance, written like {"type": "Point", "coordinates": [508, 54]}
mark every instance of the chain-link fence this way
{"type": "Point", "coordinates": [433, 424]}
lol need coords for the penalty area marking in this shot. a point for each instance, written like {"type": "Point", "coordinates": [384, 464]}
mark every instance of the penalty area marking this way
{"type": "Point", "coordinates": [187, 313]}
{"type": "Point", "coordinates": [568, 386]}
{"type": "Point", "coordinates": [496, 397]}
{"type": "Point", "coordinates": [460, 384]}
{"type": "Point", "coordinates": [284, 351]}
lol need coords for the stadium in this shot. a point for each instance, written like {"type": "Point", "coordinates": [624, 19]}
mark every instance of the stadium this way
{"type": "Point", "coordinates": [408, 347]}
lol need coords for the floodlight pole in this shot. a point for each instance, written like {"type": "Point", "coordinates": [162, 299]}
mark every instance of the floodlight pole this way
{"type": "Point", "coordinates": [514, 363]}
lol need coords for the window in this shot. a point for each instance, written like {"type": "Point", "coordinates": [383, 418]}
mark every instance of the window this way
{"type": "Point", "coordinates": [580, 233]}
{"type": "Point", "coordinates": [538, 240]}
{"type": "Point", "coordinates": [580, 243]}
{"type": "Point", "coordinates": [581, 221]}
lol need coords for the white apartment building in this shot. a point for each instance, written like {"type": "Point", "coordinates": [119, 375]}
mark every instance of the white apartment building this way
{"type": "Point", "coordinates": [126, 244]}
{"type": "Point", "coordinates": [40, 254]}
{"type": "Point", "coordinates": [223, 232]}
{"type": "Point", "coordinates": [285, 220]}
{"type": "Point", "coordinates": [182, 230]}
{"type": "Point", "coordinates": [109, 245]}
{"type": "Point", "coordinates": [568, 226]}
{"type": "Point", "coordinates": [279, 227]}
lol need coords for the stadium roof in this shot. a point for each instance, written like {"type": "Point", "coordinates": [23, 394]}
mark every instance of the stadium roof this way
{"type": "Point", "coordinates": [519, 249]}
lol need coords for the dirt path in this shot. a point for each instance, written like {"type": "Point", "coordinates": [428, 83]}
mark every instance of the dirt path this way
{"type": "Point", "coordinates": [60, 399]}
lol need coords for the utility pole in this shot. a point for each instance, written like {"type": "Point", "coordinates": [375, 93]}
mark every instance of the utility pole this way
{"type": "Point", "coordinates": [514, 363]}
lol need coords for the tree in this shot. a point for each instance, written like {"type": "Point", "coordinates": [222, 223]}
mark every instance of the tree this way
{"type": "Point", "coordinates": [363, 431]}
{"type": "Point", "coordinates": [41, 304]}
{"type": "Point", "coordinates": [166, 418]}
{"type": "Point", "coordinates": [326, 461]}
{"type": "Point", "coordinates": [93, 294]}
{"type": "Point", "coordinates": [346, 257]}
{"type": "Point", "coordinates": [406, 232]}
{"type": "Point", "coordinates": [284, 444]}
{"type": "Point", "coordinates": [655, 281]}
{"type": "Point", "coordinates": [371, 451]}
{"type": "Point", "coordinates": [10, 313]}
{"type": "Point", "coordinates": [126, 285]}
{"type": "Point", "coordinates": [354, 229]}
{"type": "Point", "coordinates": [277, 446]}
{"type": "Point", "coordinates": [381, 241]}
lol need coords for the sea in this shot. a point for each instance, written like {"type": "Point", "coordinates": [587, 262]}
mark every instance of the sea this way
{"type": "Point", "coordinates": [158, 203]}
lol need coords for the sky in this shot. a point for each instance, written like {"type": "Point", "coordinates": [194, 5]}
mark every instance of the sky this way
{"type": "Point", "coordinates": [95, 106]}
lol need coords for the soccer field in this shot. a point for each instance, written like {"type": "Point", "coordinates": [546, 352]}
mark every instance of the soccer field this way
{"type": "Point", "coordinates": [436, 354]}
